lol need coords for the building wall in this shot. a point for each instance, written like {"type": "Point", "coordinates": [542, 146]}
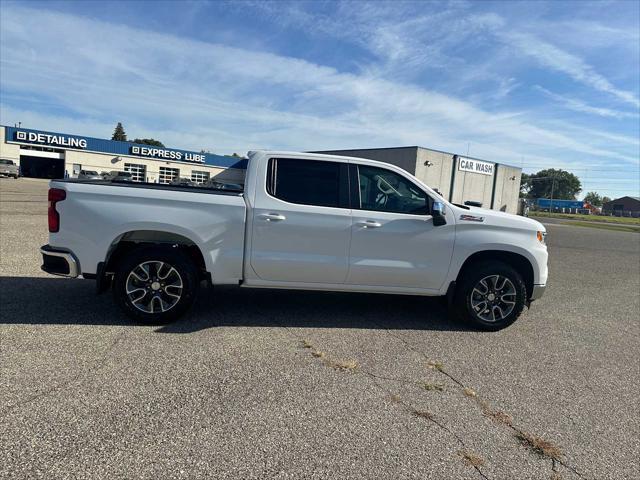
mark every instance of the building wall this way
{"type": "Point", "coordinates": [507, 189]}
{"type": "Point", "coordinates": [438, 174]}
{"type": "Point", "coordinates": [403, 157]}
{"type": "Point", "coordinates": [9, 151]}
{"type": "Point", "coordinates": [468, 186]}
{"type": "Point", "coordinates": [104, 163]}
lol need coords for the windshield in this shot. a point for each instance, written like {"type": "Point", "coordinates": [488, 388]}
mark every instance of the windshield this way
{"type": "Point", "coordinates": [6, 162]}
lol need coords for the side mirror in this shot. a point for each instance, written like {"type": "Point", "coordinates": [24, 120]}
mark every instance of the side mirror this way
{"type": "Point", "coordinates": [437, 211]}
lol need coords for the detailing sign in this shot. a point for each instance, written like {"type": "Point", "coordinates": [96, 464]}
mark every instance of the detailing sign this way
{"type": "Point", "coordinates": [51, 139]}
{"type": "Point", "coordinates": [475, 166]}
{"type": "Point", "coordinates": [168, 154]}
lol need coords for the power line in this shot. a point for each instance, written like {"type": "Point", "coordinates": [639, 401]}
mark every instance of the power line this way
{"type": "Point", "coordinates": [548, 167]}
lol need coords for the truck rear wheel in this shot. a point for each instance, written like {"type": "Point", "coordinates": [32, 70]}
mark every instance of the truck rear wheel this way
{"type": "Point", "coordinates": [490, 295]}
{"type": "Point", "coordinates": [155, 285]}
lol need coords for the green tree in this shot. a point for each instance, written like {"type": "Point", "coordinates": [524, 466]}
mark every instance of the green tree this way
{"type": "Point", "coordinates": [119, 133]}
{"type": "Point", "coordinates": [149, 141]}
{"type": "Point", "coordinates": [561, 184]}
{"type": "Point", "coordinates": [525, 185]}
{"type": "Point", "coordinates": [593, 198]}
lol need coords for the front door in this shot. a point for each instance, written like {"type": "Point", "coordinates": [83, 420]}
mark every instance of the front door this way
{"type": "Point", "coordinates": [394, 242]}
{"type": "Point", "coordinates": [301, 231]}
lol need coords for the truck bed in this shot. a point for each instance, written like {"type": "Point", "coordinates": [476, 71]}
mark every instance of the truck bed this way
{"type": "Point", "coordinates": [96, 214]}
{"type": "Point", "coordinates": [156, 186]}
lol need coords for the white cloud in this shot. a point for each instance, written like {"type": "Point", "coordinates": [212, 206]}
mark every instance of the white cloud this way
{"type": "Point", "coordinates": [557, 59]}
{"type": "Point", "coordinates": [580, 106]}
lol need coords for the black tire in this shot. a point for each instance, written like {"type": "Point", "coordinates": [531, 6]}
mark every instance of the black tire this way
{"type": "Point", "coordinates": [486, 272]}
{"type": "Point", "coordinates": [179, 270]}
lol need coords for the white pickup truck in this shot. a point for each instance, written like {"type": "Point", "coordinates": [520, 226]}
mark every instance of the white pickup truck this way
{"type": "Point", "coordinates": [302, 221]}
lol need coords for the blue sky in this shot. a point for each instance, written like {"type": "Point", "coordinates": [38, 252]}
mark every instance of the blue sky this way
{"type": "Point", "coordinates": [534, 84]}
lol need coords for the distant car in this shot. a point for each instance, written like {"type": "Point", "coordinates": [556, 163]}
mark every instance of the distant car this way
{"type": "Point", "coordinates": [183, 182]}
{"type": "Point", "coordinates": [89, 175]}
{"type": "Point", "coordinates": [224, 186]}
{"type": "Point", "coordinates": [8, 169]}
{"type": "Point", "coordinates": [117, 176]}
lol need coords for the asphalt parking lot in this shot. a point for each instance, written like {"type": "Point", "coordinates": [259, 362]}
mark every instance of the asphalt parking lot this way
{"type": "Point", "coordinates": [275, 384]}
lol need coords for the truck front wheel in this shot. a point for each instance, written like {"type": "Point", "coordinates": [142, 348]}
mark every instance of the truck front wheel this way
{"type": "Point", "coordinates": [490, 295]}
{"type": "Point", "coordinates": [155, 285]}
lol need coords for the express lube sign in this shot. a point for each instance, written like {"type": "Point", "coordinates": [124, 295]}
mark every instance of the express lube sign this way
{"type": "Point", "coordinates": [475, 166]}
{"type": "Point", "coordinates": [167, 154]}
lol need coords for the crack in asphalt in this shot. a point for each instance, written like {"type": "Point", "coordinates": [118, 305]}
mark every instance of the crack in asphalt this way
{"type": "Point", "coordinates": [412, 410]}
{"type": "Point", "coordinates": [52, 390]}
{"type": "Point", "coordinates": [484, 405]}
{"type": "Point", "coordinates": [407, 406]}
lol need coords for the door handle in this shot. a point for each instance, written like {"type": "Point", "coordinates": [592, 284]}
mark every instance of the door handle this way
{"type": "Point", "coordinates": [273, 217]}
{"type": "Point", "coordinates": [369, 224]}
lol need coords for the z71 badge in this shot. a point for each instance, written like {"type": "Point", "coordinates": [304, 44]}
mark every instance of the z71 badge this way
{"type": "Point", "coordinates": [471, 218]}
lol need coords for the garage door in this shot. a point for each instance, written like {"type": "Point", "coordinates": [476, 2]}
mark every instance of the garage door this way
{"type": "Point", "coordinates": [138, 172]}
{"type": "Point", "coordinates": [41, 167]}
{"type": "Point", "coordinates": [167, 175]}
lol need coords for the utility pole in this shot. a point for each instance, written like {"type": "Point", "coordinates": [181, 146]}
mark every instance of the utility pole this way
{"type": "Point", "coordinates": [553, 183]}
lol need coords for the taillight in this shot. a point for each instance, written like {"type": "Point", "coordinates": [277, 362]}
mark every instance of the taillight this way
{"type": "Point", "coordinates": [55, 195]}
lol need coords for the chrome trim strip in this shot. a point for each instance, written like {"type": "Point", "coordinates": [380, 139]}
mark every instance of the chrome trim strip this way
{"type": "Point", "coordinates": [68, 256]}
{"type": "Point", "coordinates": [538, 291]}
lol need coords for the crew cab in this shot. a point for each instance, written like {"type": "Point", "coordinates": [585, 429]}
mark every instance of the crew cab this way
{"type": "Point", "coordinates": [301, 221]}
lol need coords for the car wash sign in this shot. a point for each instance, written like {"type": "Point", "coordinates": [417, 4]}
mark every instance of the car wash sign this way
{"type": "Point", "coordinates": [476, 166]}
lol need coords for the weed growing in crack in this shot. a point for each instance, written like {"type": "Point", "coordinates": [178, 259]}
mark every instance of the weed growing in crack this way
{"type": "Point", "coordinates": [306, 344]}
{"type": "Point", "coordinates": [345, 365]}
{"type": "Point", "coordinates": [540, 446]}
{"type": "Point", "coordinates": [501, 417]}
{"type": "Point", "coordinates": [433, 386]}
{"type": "Point", "coordinates": [471, 458]}
{"type": "Point", "coordinates": [395, 398]}
{"type": "Point", "coordinates": [317, 354]}
{"type": "Point", "coordinates": [470, 392]}
{"type": "Point", "coordinates": [556, 476]}
{"type": "Point", "coordinates": [436, 365]}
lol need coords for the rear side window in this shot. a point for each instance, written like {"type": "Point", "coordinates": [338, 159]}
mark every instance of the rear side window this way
{"type": "Point", "coordinates": [309, 182]}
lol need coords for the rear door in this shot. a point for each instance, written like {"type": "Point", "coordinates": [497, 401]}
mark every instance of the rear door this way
{"type": "Point", "coordinates": [302, 222]}
{"type": "Point", "coordinates": [394, 242]}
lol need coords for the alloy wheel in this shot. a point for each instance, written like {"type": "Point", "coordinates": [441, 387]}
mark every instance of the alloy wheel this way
{"type": "Point", "coordinates": [493, 298]}
{"type": "Point", "coordinates": [154, 287]}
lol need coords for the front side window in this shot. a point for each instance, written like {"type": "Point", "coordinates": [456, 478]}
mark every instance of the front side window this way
{"type": "Point", "coordinates": [382, 190]}
{"type": "Point", "coordinates": [308, 182]}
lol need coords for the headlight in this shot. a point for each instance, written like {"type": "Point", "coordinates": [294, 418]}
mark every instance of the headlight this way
{"type": "Point", "coordinates": [542, 236]}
